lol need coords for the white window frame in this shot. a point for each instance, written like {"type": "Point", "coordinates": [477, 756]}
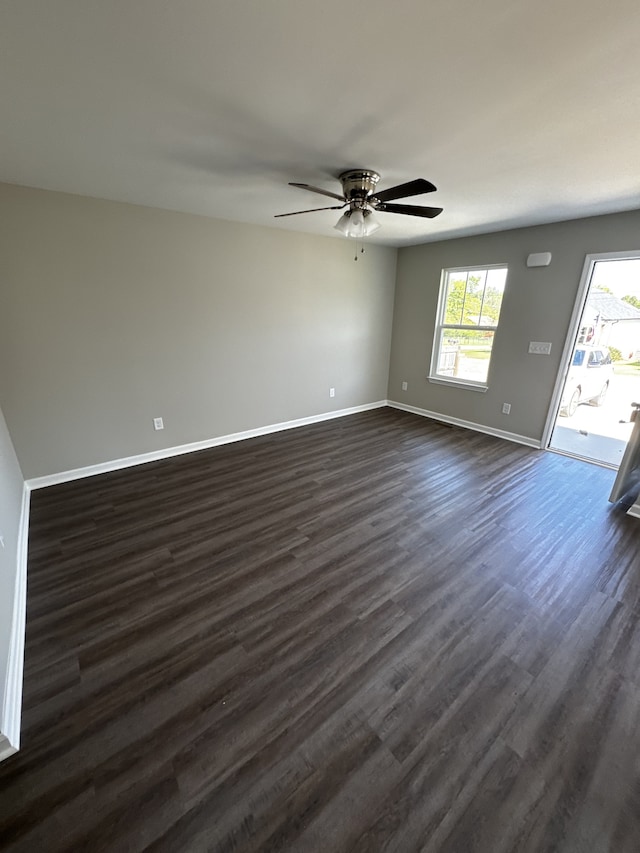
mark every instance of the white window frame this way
{"type": "Point", "coordinates": [440, 326]}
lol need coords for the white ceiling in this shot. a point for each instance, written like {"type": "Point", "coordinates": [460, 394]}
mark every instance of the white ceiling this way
{"type": "Point", "coordinates": [520, 111]}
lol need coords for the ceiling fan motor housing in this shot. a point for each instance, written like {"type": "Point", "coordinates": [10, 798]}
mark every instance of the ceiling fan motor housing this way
{"type": "Point", "coordinates": [358, 186]}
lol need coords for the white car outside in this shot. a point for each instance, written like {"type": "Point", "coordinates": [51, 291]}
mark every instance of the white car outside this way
{"type": "Point", "coordinates": [588, 379]}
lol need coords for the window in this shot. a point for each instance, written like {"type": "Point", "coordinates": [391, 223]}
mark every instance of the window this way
{"type": "Point", "coordinates": [468, 314]}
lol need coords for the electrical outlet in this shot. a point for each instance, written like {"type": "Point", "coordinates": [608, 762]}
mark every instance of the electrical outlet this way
{"type": "Point", "coordinates": [506, 408]}
{"type": "Point", "coordinates": [332, 392]}
{"type": "Point", "coordinates": [158, 423]}
{"type": "Point", "coordinates": [405, 385]}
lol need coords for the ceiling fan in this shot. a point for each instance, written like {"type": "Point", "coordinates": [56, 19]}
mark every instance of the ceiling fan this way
{"type": "Point", "coordinates": [360, 195]}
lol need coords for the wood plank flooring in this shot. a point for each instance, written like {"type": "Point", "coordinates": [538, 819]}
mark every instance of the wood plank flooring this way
{"type": "Point", "coordinates": [378, 633]}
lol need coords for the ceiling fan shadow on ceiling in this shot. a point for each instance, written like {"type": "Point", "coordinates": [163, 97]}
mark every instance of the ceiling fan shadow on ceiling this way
{"type": "Point", "coordinates": [360, 195]}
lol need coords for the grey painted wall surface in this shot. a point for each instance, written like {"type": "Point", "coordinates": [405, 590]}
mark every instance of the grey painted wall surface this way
{"type": "Point", "coordinates": [537, 306]}
{"type": "Point", "coordinates": [113, 314]}
{"type": "Point", "coordinates": [11, 487]}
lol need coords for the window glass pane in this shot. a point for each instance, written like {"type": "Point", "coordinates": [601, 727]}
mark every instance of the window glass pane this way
{"type": "Point", "coordinates": [456, 286]}
{"type": "Point", "coordinates": [473, 297]}
{"type": "Point", "coordinates": [494, 291]}
{"type": "Point", "coordinates": [465, 354]}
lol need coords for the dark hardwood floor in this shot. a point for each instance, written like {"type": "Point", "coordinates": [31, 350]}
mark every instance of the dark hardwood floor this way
{"type": "Point", "coordinates": [375, 633]}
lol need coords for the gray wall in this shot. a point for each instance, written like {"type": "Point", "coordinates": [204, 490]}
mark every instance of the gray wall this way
{"type": "Point", "coordinates": [113, 314]}
{"type": "Point", "coordinates": [537, 306]}
{"type": "Point", "coordinates": [11, 487]}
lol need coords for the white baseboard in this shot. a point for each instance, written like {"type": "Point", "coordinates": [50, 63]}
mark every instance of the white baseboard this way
{"type": "Point", "coordinates": [12, 707]}
{"type": "Point", "coordinates": [447, 419]}
{"type": "Point", "coordinates": [635, 509]}
{"type": "Point", "coordinates": [167, 452]}
{"type": "Point", "coordinates": [6, 749]}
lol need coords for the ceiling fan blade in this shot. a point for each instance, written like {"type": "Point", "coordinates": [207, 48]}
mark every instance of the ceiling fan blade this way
{"type": "Point", "coordinates": [410, 210]}
{"type": "Point", "coordinates": [319, 190]}
{"type": "Point", "coordinates": [417, 187]}
{"type": "Point", "coordinates": [311, 210]}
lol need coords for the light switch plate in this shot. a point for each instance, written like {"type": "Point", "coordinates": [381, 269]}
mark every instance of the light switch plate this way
{"type": "Point", "coordinates": [540, 347]}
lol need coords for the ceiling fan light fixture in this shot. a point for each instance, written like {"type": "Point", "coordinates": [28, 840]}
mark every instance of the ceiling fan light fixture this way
{"type": "Point", "coordinates": [357, 223]}
{"type": "Point", "coordinates": [343, 225]}
{"type": "Point", "coordinates": [371, 224]}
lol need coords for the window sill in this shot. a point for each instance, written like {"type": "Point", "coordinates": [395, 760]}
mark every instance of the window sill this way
{"type": "Point", "coordinates": [459, 383]}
